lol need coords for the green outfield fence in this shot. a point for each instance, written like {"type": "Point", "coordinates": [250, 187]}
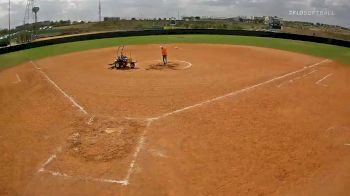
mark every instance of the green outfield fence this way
{"type": "Point", "coordinates": [104, 35]}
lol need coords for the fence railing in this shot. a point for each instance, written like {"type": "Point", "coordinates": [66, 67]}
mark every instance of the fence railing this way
{"type": "Point", "coordinates": [173, 32]}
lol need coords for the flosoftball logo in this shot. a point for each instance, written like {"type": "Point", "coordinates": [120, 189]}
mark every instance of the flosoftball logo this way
{"type": "Point", "coordinates": [311, 13]}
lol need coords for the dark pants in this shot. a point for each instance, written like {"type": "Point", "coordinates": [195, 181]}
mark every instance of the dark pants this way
{"type": "Point", "coordinates": [165, 59]}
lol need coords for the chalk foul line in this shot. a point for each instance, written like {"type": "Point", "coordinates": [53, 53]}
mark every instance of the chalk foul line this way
{"type": "Point", "coordinates": [137, 151]}
{"type": "Point", "coordinates": [50, 159]}
{"type": "Point", "coordinates": [54, 155]}
{"type": "Point", "coordinates": [149, 121]}
{"type": "Point", "coordinates": [324, 78]}
{"type": "Point", "coordinates": [235, 93]}
{"type": "Point", "coordinates": [104, 180]}
{"type": "Point", "coordinates": [81, 109]}
{"type": "Point", "coordinates": [123, 182]}
{"type": "Point", "coordinates": [309, 73]}
{"type": "Point", "coordinates": [18, 79]}
{"type": "Point", "coordinates": [295, 79]}
{"type": "Point", "coordinates": [232, 94]}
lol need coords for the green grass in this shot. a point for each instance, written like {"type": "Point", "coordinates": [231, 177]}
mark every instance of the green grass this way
{"type": "Point", "coordinates": [341, 54]}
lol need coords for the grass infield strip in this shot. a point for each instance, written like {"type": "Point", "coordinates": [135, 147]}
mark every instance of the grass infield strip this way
{"type": "Point", "coordinates": [337, 53]}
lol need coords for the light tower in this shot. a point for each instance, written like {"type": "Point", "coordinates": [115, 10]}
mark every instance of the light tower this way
{"type": "Point", "coordinates": [35, 11]}
{"type": "Point", "coordinates": [9, 33]}
{"type": "Point", "coordinates": [28, 15]}
{"type": "Point", "coordinates": [99, 11]}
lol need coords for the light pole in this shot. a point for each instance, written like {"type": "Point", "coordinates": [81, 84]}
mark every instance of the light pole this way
{"type": "Point", "coordinates": [35, 11]}
{"type": "Point", "coordinates": [99, 11]}
{"type": "Point", "coordinates": [9, 33]}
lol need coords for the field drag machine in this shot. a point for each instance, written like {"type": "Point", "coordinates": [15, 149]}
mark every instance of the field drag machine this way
{"type": "Point", "coordinates": [122, 61]}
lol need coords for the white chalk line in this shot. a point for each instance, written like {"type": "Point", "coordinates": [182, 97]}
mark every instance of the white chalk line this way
{"type": "Point", "coordinates": [60, 90]}
{"type": "Point", "coordinates": [50, 159]}
{"type": "Point", "coordinates": [321, 62]}
{"type": "Point", "coordinates": [324, 78]}
{"type": "Point", "coordinates": [157, 153]}
{"type": "Point", "coordinates": [141, 119]}
{"type": "Point", "coordinates": [124, 182]}
{"type": "Point", "coordinates": [85, 178]}
{"type": "Point", "coordinates": [234, 93]}
{"type": "Point", "coordinates": [295, 79]}
{"type": "Point", "coordinates": [306, 75]}
{"type": "Point", "coordinates": [137, 151]}
{"type": "Point", "coordinates": [285, 83]}
{"type": "Point", "coordinates": [54, 156]}
{"type": "Point", "coordinates": [141, 142]}
{"type": "Point", "coordinates": [186, 62]}
{"type": "Point", "coordinates": [91, 120]}
{"type": "Point", "coordinates": [104, 180]}
{"type": "Point", "coordinates": [18, 79]}
{"type": "Point", "coordinates": [54, 173]}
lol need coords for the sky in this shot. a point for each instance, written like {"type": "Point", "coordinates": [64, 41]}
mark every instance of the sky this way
{"type": "Point", "coordinates": [336, 12]}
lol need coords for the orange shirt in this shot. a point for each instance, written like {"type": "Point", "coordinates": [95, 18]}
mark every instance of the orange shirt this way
{"type": "Point", "coordinates": [164, 52]}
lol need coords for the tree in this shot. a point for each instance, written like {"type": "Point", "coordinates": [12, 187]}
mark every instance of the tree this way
{"type": "Point", "coordinates": [4, 42]}
{"type": "Point", "coordinates": [3, 32]}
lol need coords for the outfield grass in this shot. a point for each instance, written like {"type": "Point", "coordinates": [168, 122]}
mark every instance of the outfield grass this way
{"type": "Point", "coordinates": [341, 54]}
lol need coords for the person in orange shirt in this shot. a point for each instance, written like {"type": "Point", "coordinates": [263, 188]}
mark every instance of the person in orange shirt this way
{"type": "Point", "coordinates": [164, 54]}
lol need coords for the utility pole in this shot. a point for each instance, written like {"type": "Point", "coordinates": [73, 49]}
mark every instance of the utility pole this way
{"type": "Point", "coordinates": [9, 33]}
{"type": "Point", "coordinates": [99, 10]}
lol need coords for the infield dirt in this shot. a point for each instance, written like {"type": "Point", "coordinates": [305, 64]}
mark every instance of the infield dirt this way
{"type": "Point", "coordinates": [289, 136]}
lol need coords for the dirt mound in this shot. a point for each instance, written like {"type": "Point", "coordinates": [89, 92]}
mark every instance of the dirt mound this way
{"type": "Point", "coordinates": [104, 139]}
{"type": "Point", "coordinates": [172, 65]}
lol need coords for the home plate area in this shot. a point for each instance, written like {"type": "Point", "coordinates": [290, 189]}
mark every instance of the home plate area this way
{"type": "Point", "coordinates": [101, 149]}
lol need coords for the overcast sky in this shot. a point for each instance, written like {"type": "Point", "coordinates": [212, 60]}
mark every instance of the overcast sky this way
{"type": "Point", "coordinates": [339, 10]}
